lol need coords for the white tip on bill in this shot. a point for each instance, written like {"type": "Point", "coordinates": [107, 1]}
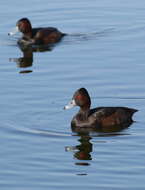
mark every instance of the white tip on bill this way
{"type": "Point", "coordinates": [70, 105]}
{"type": "Point", "coordinates": [14, 31]}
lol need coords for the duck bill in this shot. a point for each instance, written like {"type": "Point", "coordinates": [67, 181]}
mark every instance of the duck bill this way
{"type": "Point", "coordinates": [70, 105]}
{"type": "Point", "coordinates": [14, 31]}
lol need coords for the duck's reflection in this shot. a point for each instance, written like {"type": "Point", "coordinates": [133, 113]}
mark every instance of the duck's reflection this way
{"type": "Point", "coordinates": [82, 151]}
{"type": "Point", "coordinates": [26, 60]}
{"type": "Point", "coordinates": [85, 148]}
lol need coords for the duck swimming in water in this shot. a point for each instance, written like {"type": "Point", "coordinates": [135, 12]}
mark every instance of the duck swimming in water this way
{"type": "Point", "coordinates": [37, 36]}
{"type": "Point", "coordinates": [100, 117]}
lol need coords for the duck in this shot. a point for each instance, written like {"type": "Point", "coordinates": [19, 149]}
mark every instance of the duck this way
{"type": "Point", "coordinates": [37, 36]}
{"type": "Point", "coordinates": [97, 118]}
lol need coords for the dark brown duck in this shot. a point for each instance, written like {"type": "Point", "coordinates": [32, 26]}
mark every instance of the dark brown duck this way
{"type": "Point", "coordinates": [37, 36]}
{"type": "Point", "coordinates": [97, 117]}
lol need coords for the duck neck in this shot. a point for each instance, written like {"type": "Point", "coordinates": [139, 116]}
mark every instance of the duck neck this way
{"type": "Point", "coordinates": [28, 35]}
{"type": "Point", "coordinates": [28, 31]}
{"type": "Point", "coordinates": [83, 114]}
{"type": "Point", "coordinates": [84, 110]}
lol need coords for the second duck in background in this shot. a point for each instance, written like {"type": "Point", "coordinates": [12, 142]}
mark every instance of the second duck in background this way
{"type": "Point", "coordinates": [37, 36]}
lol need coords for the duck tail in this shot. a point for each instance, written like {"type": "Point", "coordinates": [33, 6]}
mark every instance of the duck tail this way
{"type": "Point", "coordinates": [64, 34]}
{"type": "Point", "coordinates": [134, 110]}
{"type": "Point", "coordinates": [131, 111]}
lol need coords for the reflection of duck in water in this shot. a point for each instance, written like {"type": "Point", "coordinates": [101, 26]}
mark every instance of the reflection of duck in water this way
{"type": "Point", "coordinates": [36, 36]}
{"type": "Point", "coordinates": [27, 59]}
{"type": "Point", "coordinates": [101, 118]}
{"type": "Point", "coordinates": [83, 150]}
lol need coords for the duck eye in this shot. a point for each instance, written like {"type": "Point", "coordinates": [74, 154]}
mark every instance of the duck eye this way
{"type": "Point", "coordinates": [79, 97]}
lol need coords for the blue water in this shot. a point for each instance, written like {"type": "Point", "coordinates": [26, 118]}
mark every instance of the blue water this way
{"type": "Point", "coordinates": [105, 53]}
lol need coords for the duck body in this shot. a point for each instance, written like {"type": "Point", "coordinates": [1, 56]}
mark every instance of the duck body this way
{"type": "Point", "coordinates": [43, 36]}
{"type": "Point", "coordinates": [37, 36]}
{"type": "Point", "coordinates": [103, 117]}
{"type": "Point", "coordinates": [100, 117]}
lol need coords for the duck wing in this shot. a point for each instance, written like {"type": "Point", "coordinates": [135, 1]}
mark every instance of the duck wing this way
{"type": "Point", "coordinates": [113, 114]}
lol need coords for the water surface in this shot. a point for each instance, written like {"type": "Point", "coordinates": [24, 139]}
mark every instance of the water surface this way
{"type": "Point", "coordinates": [105, 53]}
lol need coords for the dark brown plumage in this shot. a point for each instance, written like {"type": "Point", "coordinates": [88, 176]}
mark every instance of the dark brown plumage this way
{"type": "Point", "coordinates": [38, 36]}
{"type": "Point", "coordinates": [98, 117]}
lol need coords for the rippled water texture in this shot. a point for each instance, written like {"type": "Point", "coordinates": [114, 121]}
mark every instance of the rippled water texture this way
{"type": "Point", "coordinates": [103, 52]}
